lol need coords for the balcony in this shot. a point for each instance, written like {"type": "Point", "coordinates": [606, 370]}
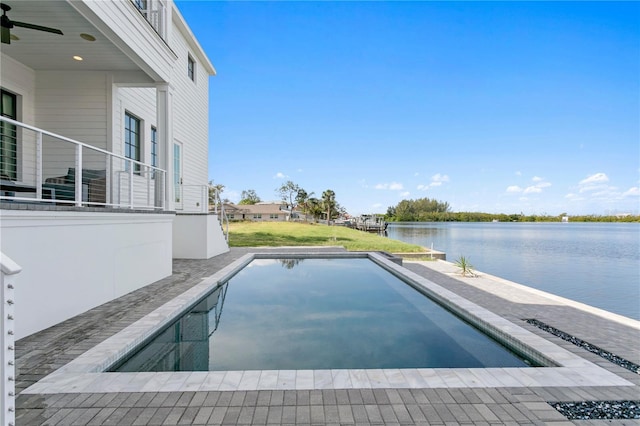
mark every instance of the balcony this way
{"type": "Point", "coordinates": [40, 167]}
{"type": "Point", "coordinates": [154, 11]}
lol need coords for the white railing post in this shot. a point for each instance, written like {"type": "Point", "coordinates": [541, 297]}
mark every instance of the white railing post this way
{"type": "Point", "coordinates": [78, 175]}
{"type": "Point", "coordinates": [131, 166]}
{"type": "Point", "coordinates": [39, 165]}
{"type": "Point", "coordinates": [165, 195]}
{"type": "Point", "coordinates": [108, 195]}
{"type": "Point", "coordinates": [148, 173]}
{"type": "Point", "coordinates": [8, 271]}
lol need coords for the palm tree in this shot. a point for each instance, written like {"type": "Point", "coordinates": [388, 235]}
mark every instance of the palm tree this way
{"type": "Point", "coordinates": [215, 189]}
{"type": "Point", "coordinates": [315, 207]}
{"type": "Point", "coordinates": [303, 200]}
{"type": "Point", "coordinates": [329, 202]}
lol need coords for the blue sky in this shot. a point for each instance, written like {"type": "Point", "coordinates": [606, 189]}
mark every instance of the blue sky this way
{"type": "Point", "coordinates": [501, 107]}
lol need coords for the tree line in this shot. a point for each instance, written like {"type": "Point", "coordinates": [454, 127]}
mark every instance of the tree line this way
{"type": "Point", "coordinates": [428, 210]}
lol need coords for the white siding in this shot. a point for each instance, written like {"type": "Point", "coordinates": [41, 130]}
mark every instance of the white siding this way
{"type": "Point", "coordinates": [73, 104]}
{"type": "Point", "coordinates": [191, 119]}
{"type": "Point", "coordinates": [21, 81]}
{"type": "Point", "coordinates": [141, 102]}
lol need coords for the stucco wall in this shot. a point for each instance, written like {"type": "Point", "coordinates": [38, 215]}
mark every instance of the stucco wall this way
{"type": "Point", "coordinates": [74, 261]}
{"type": "Point", "coordinates": [198, 236]}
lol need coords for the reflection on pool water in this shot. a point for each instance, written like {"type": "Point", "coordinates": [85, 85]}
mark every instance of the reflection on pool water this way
{"type": "Point", "coordinates": [299, 314]}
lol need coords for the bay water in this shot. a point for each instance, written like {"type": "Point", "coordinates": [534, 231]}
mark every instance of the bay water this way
{"type": "Point", "coordinates": [594, 263]}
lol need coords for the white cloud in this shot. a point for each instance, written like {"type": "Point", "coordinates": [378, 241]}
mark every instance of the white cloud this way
{"type": "Point", "coordinates": [393, 186]}
{"type": "Point", "coordinates": [280, 175]}
{"type": "Point", "coordinates": [533, 189]}
{"type": "Point", "coordinates": [439, 178]}
{"type": "Point", "coordinates": [596, 178]}
{"type": "Point", "coordinates": [405, 194]}
{"type": "Point", "coordinates": [597, 189]}
{"type": "Point", "coordinates": [518, 173]}
{"type": "Point", "coordinates": [436, 180]}
{"type": "Point", "coordinates": [597, 182]}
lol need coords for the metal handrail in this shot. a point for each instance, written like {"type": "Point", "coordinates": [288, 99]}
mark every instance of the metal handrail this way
{"type": "Point", "coordinates": [222, 216]}
{"type": "Point", "coordinates": [8, 271]}
{"type": "Point", "coordinates": [150, 171]}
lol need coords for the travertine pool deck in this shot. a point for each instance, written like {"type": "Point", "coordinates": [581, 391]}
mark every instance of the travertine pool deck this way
{"type": "Point", "coordinates": [436, 396]}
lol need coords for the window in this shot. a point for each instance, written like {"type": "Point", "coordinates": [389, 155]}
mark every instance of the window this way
{"type": "Point", "coordinates": [154, 150]}
{"type": "Point", "coordinates": [132, 140]}
{"type": "Point", "coordinates": [8, 137]}
{"type": "Point", "coordinates": [274, 216]}
{"type": "Point", "coordinates": [191, 68]}
{"type": "Point", "coordinates": [257, 216]}
{"type": "Point", "coordinates": [141, 4]}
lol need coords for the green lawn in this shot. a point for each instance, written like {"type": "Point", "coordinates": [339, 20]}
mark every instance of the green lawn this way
{"type": "Point", "coordinates": [277, 234]}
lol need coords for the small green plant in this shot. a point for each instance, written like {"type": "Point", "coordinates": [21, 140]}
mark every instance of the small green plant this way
{"type": "Point", "coordinates": [466, 268]}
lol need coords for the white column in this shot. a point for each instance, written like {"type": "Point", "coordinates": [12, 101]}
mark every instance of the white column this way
{"type": "Point", "coordinates": [164, 109]}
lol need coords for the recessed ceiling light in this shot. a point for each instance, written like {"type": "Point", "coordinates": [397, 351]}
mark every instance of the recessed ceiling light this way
{"type": "Point", "coordinates": [88, 37]}
{"type": "Point", "coordinates": [77, 58]}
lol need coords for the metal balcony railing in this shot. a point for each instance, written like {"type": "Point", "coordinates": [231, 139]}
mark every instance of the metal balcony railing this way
{"type": "Point", "coordinates": [154, 11]}
{"type": "Point", "coordinates": [37, 166]}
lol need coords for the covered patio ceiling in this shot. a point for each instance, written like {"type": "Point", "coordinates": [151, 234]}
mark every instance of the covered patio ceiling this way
{"type": "Point", "coordinates": [41, 50]}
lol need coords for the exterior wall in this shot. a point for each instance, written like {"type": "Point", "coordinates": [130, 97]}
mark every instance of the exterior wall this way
{"type": "Point", "coordinates": [189, 240]}
{"type": "Point", "coordinates": [190, 122]}
{"type": "Point", "coordinates": [265, 217]}
{"type": "Point", "coordinates": [261, 212]}
{"type": "Point", "coordinates": [75, 105]}
{"type": "Point", "coordinates": [74, 261]}
{"type": "Point", "coordinates": [140, 102]}
{"type": "Point", "coordinates": [21, 81]}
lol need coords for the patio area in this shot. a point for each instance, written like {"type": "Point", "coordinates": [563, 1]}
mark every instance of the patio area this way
{"type": "Point", "coordinates": [42, 353]}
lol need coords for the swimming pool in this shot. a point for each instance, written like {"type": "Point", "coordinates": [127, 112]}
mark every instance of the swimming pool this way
{"type": "Point", "coordinates": [88, 372]}
{"type": "Point", "coordinates": [317, 313]}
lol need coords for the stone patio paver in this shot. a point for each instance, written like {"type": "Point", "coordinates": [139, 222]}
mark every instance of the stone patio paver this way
{"type": "Point", "coordinates": [42, 353]}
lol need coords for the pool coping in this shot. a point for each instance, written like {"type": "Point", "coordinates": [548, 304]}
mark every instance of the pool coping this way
{"type": "Point", "coordinates": [85, 374]}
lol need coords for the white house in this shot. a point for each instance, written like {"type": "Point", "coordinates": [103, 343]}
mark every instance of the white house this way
{"type": "Point", "coordinates": [103, 151]}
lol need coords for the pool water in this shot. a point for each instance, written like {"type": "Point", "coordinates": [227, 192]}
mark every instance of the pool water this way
{"type": "Point", "coordinates": [299, 314]}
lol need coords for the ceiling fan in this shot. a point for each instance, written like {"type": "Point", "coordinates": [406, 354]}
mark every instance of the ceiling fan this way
{"type": "Point", "coordinates": [6, 24]}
